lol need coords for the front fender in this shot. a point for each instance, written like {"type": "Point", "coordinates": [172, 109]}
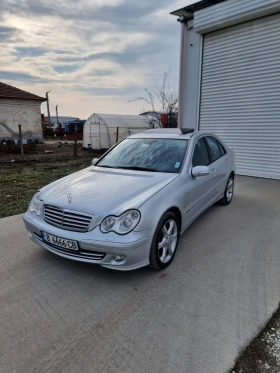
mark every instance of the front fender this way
{"type": "Point", "coordinates": [153, 209]}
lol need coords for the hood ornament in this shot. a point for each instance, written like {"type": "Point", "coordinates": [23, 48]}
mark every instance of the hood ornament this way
{"type": "Point", "coordinates": [69, 197]}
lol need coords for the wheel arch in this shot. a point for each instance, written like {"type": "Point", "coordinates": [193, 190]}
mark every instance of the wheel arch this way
{"type": "Point", "coordinates": [177, 212]}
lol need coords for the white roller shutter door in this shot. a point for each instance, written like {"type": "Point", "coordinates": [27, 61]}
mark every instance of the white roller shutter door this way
{"type": "Point", "coordinates": [240, 93]}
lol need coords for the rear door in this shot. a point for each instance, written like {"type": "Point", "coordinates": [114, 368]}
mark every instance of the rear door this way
{"type": "Point", "coordinates": [219, 164]}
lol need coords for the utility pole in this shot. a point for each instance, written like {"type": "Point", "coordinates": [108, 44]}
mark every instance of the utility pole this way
{"type": "Point", "coordinates": [56, 114]}
{"type": "Point", "coordinates": [21, 141]}
{"type": "Point", "coordinates": [48, 107]}
{"type": "Point", "coordinates": [75, 140]}
{"type": "Point", "coordinates": [58, 124]}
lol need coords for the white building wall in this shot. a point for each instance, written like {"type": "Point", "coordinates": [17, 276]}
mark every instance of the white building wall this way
{"type": "Point", "coordinates": [232, 12]}
{"type": "Point", "coordinates": [240, 93]}
{"type": "Point", "coordinates": [212, 18]}
{"type": "Point", "coordinates": [239, 80]}
{"type": "Point", "coordinates": [190, 76]}
{"type": "Point", "coordinates": [25, 112]}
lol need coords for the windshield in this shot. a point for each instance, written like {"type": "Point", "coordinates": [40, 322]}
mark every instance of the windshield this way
{"type": "Point", "coordinates": [155, 155]}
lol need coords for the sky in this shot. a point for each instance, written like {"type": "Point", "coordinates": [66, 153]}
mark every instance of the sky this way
{"type": "Point", "coordinates": [94, 55]}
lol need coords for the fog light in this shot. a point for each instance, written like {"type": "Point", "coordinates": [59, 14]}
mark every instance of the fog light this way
{"type": "Point", "coordinates": [118, 259]}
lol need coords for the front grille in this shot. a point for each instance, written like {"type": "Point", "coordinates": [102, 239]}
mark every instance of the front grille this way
{"type": "Point", "coordinates": [67, 219]}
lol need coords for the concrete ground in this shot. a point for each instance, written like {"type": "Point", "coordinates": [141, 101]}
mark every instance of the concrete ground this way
{"type": "Point", "coordinates": [61, 316]}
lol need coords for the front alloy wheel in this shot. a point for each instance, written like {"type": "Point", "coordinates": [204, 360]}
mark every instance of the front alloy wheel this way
{"type": "Point", "coordinates": [165, 241]}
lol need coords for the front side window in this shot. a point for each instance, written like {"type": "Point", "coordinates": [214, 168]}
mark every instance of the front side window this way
{"type": "Point", "coordinates": [155, 155]}
{"type": "Point", "coordinates": [200, 155]}
{"type": "Point", "coordinates": [214, 148]}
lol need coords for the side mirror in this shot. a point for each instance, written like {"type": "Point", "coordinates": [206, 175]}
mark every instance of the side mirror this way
{"type": "Point", "coordinates": [94, 161]}
{"type": "Point", "coordinates": [200, 171]}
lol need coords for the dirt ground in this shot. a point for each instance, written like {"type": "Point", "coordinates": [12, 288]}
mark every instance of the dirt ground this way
{"type": "Point", "coordinates": [19, 180]}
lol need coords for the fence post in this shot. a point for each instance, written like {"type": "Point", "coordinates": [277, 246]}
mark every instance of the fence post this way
{"type": "Point", "coordinates": [117, 135]}
{"type": "Point", "coordinates": [75, 143]}
{"type": "Point", "coordinates": [21, 143]}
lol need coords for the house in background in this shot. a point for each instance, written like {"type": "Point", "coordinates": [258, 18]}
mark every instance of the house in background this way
{"type": "Point", "coordinates": [20, 107]}
{"type": "Point", "coordinates": [62, 120]}
{"type": "Point", "coordinates": [230, 78]}
{"type": "Point", "coordinates": [155, 114]}
{"type": "Point", "coordinates": [157, 119]}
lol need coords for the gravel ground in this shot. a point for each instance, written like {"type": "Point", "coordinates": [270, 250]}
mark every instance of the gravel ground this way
{"type": "Point", "coordinates": [263, 353]}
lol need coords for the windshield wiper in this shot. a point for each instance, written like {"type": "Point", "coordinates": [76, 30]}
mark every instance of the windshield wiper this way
{"type": "Point", "coordinates": [135, 168]}
{"type": "Point", "coordinates": [106, 166]}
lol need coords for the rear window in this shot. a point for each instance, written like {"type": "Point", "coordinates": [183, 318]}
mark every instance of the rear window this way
{"type": "Point", "coordinates": [214, 147]}
{"type": "Point", "coordinates": [222, 149]}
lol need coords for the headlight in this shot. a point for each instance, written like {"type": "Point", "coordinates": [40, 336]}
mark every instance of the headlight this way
{"type": "Point", "coordinates": [36, 205]}
{"type": "Point", "coordinates": [121, 224]}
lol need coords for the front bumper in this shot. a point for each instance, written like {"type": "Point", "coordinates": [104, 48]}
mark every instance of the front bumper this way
{"type": "Point", "coordinates": [95, 246]}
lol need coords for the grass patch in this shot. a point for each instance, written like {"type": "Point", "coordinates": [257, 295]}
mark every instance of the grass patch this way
{"type": "Point", "coordinates": [19, 181]}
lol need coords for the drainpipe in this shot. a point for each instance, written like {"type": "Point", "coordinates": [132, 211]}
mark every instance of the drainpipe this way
{"type": "Point", "coordinates": [181, 76]}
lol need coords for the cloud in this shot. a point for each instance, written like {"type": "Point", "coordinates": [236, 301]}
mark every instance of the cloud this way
{"type": "Point", "coordinates": [111, 11]}
{"type": "Point", "coordinates": [7, 30]}
{"type": "Point", "coordinates": [89, 48]}
{"type": "Point", "coordinates": [31, 51]}
{"type": "Point", "coordinates": [7, 34]}
{"type": "Point", "coordinates": [65, 69]}
{"type": "Point", "coordinates": [21, 77]}
{"type": "Point", "coordinates": [130, 91]}
{"type": "Point", "coordinates": [130, 55]}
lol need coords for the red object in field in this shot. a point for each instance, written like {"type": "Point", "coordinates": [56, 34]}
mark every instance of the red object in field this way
{"type": "Point", "coordinates": [164, 120]}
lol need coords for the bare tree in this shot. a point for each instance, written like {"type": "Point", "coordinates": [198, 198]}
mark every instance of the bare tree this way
{"type": "Point", "coordinates": [162, 105]}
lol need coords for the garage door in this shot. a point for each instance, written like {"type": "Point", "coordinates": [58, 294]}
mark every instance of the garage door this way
{"type": "Point", "coordinates": [240, 93]}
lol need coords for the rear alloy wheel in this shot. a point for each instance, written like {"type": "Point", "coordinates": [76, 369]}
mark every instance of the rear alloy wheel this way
{"type": "Point", "coordinates": [228, 194]}
{"type": "Point", "coordinates": [165, 241]}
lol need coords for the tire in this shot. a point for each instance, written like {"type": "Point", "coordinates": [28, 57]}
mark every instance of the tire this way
{"type": "Point", "coordinates": [228, 193]}
{"type": "Point", "coordinates": [166, 236]}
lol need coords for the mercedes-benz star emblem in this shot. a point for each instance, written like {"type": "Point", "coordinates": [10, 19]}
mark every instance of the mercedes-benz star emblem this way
{"type": "Point", "coordinates": [69, 197]}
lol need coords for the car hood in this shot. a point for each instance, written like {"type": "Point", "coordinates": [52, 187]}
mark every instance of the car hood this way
{"type": "Point", "coordinates": [102, 192]}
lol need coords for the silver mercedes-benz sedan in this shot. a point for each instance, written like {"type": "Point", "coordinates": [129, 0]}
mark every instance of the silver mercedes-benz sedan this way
{"type": "Point", "coordinates": [129, 208]}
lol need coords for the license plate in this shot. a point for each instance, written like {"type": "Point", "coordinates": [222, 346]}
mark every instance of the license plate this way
{"type": "Point", "coordinates": [60, 242]}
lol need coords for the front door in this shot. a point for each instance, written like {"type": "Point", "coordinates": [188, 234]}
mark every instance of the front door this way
{"type": "Point", "coordinates": [201, 190]}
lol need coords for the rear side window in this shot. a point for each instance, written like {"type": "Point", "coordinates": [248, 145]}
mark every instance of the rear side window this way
{"type": "Point", "coordinates": [214, 148]}
{"type": "Point", "coordinates": [200, 155]}
{"type": "Point", "coordinates": [222, 149]}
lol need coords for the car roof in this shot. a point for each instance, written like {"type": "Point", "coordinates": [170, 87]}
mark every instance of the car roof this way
{"type": "Point", "coordinates": [162, 133]}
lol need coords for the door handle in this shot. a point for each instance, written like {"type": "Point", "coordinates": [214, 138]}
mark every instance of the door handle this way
{"type": "Point", "coordinates": [227, 161]}
{"type": "Point", "coordinates": [213, 170]}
